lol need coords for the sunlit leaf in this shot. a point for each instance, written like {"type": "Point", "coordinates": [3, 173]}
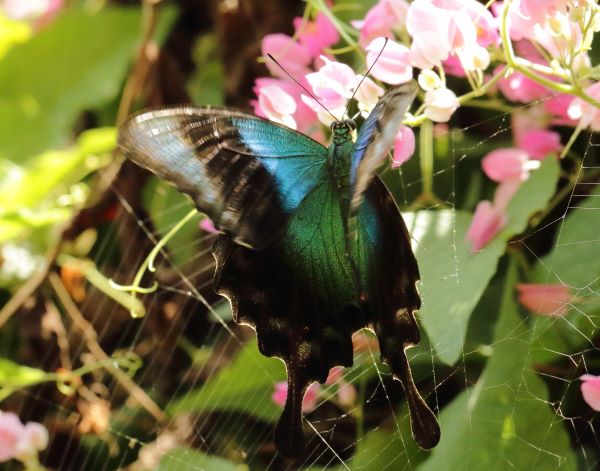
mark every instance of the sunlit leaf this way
{"type": "Point", "coordinates": [452, 278]}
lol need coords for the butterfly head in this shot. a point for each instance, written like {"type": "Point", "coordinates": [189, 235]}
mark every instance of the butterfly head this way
{"type": "Point", "coordinates": [342, 130]}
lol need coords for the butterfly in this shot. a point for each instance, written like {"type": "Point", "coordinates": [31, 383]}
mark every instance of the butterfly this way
{"type": "Point", "coordinates": [312, 246]}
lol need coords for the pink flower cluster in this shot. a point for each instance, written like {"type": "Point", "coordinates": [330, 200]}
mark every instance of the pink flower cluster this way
{"type": "Point", "coordinates": [346, 392]}
{"type": "Point", "coordinates": [19, 441]}
{"type": "Point", "coordinates": [509, 167]}
{"type": "Point", "coordinates": [445, 37]}
{"type": "Point", "coordinates": [331, 83]}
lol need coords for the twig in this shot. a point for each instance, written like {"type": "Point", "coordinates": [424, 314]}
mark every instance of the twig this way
{"type": "Point", "coordinates": [99, 354]}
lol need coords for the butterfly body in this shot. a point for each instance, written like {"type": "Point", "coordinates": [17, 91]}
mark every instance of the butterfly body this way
{"type": "Point", "coordinates": [313, 246]}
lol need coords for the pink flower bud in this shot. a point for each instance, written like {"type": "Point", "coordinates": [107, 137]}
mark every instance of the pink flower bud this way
{"type": "Point", "coordinates": [590, 390]}
{"type": "Point", "coordinates": [440, 104]}
{"type": "Point", "coordinates": [486, 223]}
{"type": "Point", "coordinates": [506, 164]}
{"type": "Point", "coordinates": [545, 299]}
{"type": "Point", "coordinates": [505, 192]}
{"type": "Point", "coordinates": [280, 394]}
{"type": "Point", "coordinates": [404, 146]}
{"type": "Point", "coordinates": [309, 402]}
{"type": "Point", "coordinates": [335, 374]}
{"type": "Point", "coordinates": [346, 394]}
{"type": "Point", "coordinates": [208, 226]}
{"type": "Point", "coordinates": [393, 65]}
{"type": "Point", "coordinates": [539, 143]}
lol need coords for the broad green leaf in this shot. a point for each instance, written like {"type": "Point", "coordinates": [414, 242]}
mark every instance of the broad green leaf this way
{"type": "Point", "coordinates": [14, 376]}
{"type": "Point", "coordinates": [452, 278]}
{"type": "Point", "coordinates": [504, 421]}
{"type": "Point", "coordinates": [187, 459]}
{"type": "Point", "coordinates": [577, 238]}
{"type": "Point", "coordinates": [245, 386]}
{"type": "Point", "coordinates": [76, 63]}
{"type": "Point", "coordinates": [572, 262]}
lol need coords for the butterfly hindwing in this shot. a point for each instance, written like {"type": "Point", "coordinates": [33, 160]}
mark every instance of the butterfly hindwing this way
{"type": "Point", "coordinates": [247, 174]}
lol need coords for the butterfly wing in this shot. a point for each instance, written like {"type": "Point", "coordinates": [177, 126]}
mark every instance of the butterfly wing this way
{"type": "Point", "coordinates": [246, 173]}
{"type": "Point", "coordinates": [375, 138]}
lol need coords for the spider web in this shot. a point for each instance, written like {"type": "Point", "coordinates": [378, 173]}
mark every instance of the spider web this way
{"type": "Point", "coordinates": [221, 365]}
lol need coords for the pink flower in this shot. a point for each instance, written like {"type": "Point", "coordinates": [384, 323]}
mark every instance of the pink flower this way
{"type": "Point", "coordinates": [546, 299]}
{"type": "Point", "coordinates": [18, 441]}
{"type": "Point", "coordinates": [277, 105]}
{"type": "Point", "coordinates": [293, 56]}
{"type": "Point", "coordinates": [310, 396]}
{"type": "Point", "coordinates": [11, 431]}
{"type": "Point", "coordinates": [380, 20]}
{"type": "Point", "coordinates": [304, 115]}
{"type": "Point", "coordinates": [590, 390]}
{"type": "Point", "coordinates": [316, 35]}
{"type": "Point", "coordinates": [208, 226]}
{"type": "Point", "coordinates": [441, 28]}
{"type": "Point", "coordinates": [393, 65]}
{"type": "Point", "coordinates": [429, 30]}
{"type": "Point", "coordinates": [506, 164]}
{"type": "Point", "coordinates": [332, 84]}
{"type": "Point", "coordinates": [367, 94]}
{"type": "Point", "coordinates": [487, 222]}
{"type": "Point", "coordinates": [505, 192]}
{"type": "Point", "coordinates": [440, 104]}
{"type": "Point", "coordinates": [517, 87]}
{"type": "Point", "coordinates": [586, 113]}
{"type": "Point", "coordinates": [539, 10]}
{"type": "Point", "coordinates": [539, 143]}
{"type": "Point", "coordinates": [404, 146]}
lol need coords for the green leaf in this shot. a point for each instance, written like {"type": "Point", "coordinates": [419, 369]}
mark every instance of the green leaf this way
{"type": "Point", "coordinates": [504, 421]}
{"type": "Point", "coordinates": [44, 191]}
{"type": "Point", "coordinates": [76, 63]}
{"type": "Point", "coordinates": [570, 262]}
{"type": "Point", "coordinates": [185, 459]}
{"type": "Point", "coordinates": [452, 278]}
{"type": "Point", "coordinates": [389, 446]}
{"type": "Point", "coordinates": [167, 207]}
{"type": "Point", "coordinates": [14, 376]}
{"type": "Point", "coordinates": [246, 385]}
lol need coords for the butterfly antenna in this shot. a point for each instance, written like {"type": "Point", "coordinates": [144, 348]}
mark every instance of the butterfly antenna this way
{"type": "Point", "coordinates": [302, 86]}
{"type": "Point", "coordinates": [365, 76]}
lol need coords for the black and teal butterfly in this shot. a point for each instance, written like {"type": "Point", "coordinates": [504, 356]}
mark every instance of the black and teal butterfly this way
{"type": "Point", "coordinates": [313, 246]}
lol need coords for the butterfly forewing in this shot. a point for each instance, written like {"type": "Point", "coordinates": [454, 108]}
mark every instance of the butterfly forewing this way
{"type": "Point", "coordinates": [375, 138]}
{"type": "Point", "coordinates": [247, 174]}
